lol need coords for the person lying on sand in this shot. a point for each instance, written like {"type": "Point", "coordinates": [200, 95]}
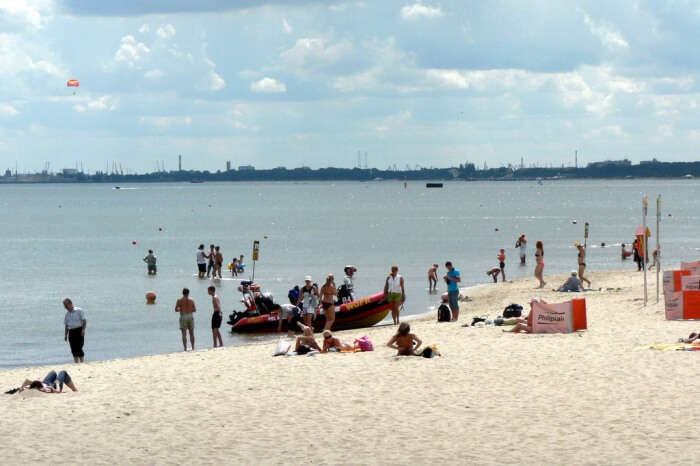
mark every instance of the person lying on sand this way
{"type": "Point", "coordinates": [306, 341]}
{"type": "Point", "coordinates": [521, 325]}
{"type": "Point", "coordinates": [692, 338]}
{"type": "Point", "coordinates": [331, 343]}
{"type": "Point", "coordinates": [404, 341]}
{"type": "Point", "coordinates": [48, 385]}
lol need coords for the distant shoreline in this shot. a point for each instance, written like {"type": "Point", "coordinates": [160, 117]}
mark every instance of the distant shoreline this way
{"type": "Point", "coordinates": [608, 170]}
{"type": "Point", "coordinates": [129, 180]}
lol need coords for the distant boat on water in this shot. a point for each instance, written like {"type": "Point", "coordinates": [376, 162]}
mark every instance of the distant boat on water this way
{"type": "Point", "coordinates": [196, 181]}
{"type": "Point", "coordinates": [433, 185]}
{"type": "Point", "coordinates": [688, 176]}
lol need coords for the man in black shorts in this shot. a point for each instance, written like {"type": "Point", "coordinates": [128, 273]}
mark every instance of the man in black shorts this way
{"type": "Point", "coordinates": [216, 316]}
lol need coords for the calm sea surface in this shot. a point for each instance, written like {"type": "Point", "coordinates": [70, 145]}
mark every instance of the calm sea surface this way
{"type": "Point", "coordinates": [76, 241]}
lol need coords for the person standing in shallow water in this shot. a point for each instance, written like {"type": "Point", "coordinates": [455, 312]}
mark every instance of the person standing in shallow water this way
{"type": "Point", "coordinates": [150, 261]}
{"type": "Point", "coordinates": [75, 325]}
{"type": "Point", "coordinates": [432, 278]}
{"type": "Point", "coordinates": [186, 307]}
{"type": "Point", "coordinates": [395, 292]}
{"type": "Point", "coordinates": [522, 244]}
{"type": "Point", "coordinates": [201, 261]}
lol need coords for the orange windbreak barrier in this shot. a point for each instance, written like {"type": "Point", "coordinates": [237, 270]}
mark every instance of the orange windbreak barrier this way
{"type": "Point", "coordinates": [683, 305]}
{"type": "Point", "coordinates": [690, 282]}
{"type": "Point", "coordinates": [557, 318]}
{"type": "Point", "coordinates": [694, 267]}
{"type": "Point", "coordinates": [672, 280]}
{"type": "Point", "coordinates": [579, 309]}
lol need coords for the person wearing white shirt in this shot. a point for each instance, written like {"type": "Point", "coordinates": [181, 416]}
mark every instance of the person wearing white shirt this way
{"type": "Point", "coordinates": [75, 325]}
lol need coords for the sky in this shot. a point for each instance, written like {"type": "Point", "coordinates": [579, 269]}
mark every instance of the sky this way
{"type": "Point", "coordinates": [311, 83]}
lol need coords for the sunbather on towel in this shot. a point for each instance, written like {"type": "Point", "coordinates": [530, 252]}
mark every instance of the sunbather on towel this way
{"type": "Point", "coordinates": [331, 343]}
{"type": "Point", "coordinates": [692, 338]}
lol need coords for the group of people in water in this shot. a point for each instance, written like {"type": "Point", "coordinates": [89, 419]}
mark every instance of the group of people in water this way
{"type": "Point", "coordinates": [521, 246]}
{"type": "Point", "coordinates": [210, 264]}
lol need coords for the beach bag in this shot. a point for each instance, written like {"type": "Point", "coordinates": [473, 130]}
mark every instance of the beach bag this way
{"type": "Point", "coordinates": [364, 344]}
{"type": "Point", "coordinates": [513, 310]}
{"type": "Point", "coordinates": [444, 314]}
{"type": "Point", "coordinates": [282, 347]}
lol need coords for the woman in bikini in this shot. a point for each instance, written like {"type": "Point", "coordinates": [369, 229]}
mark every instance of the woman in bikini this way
{"type": "Point", "coordinates": [328, 294]}
{"type": "Point", "coordinates": [539, 268]}
{"type": "Point", "coordinates": [582, 263]}
{"type": "Point", "coordinates": [405, 342]}
{"type": "Point", "coordinates": [331, 343]}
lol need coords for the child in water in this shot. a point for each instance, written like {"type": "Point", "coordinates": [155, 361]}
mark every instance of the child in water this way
{"type": "Point", "coordinates": [502, 263]}
{"type": "Point", "coordinates": [404, 341]}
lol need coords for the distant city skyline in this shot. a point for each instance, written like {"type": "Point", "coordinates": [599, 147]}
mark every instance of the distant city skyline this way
{"type": "Point", "coordinates": [341, 83]}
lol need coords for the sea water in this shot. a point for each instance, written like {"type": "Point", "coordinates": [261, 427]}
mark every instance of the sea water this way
{"type": "Point", "coordinates": [75, 240]}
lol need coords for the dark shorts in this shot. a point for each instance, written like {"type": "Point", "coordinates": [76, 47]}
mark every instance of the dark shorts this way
{"type": "Point", "coordinates": [219, 264]}
{"type": "Point", "coordinates": [202, 267]}
{"type": "Point", "coordinates": [453, 299]}
{"type": "Point", "coordinates": [326, 305]}
{"type": "Point", "coordinates": [216, 320]}
{"type": "Point", "coordinates": [502, 265]}
{"type": "Point", "coordinates": [76, 340]}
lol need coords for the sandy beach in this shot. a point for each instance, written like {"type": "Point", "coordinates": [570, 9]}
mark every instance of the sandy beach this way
{"type": "Point", "coordinates": [493, 398]}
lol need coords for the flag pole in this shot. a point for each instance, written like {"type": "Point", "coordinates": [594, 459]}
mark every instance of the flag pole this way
{"type": "Point", "coordinates": [645, 202]}
{"type": "Point", "coordinates": [658, 244]}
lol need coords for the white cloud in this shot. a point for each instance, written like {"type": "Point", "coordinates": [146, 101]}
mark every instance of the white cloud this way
{"type": "Point", "coordinates": [216, 82]}
{"type": "Point", "coordinates": [392, 121]}
{"type": "Point", "coordinates": [7, 110]}
{"type": "Point", "coordinates": [14, 58]}
{"type": "Point", "coordinates": [144, 28]}
{"type": "Point", "coordinates": [313, 52]}
{"type": "Point", "coordinates": [286, 26]}
{"type": "Point", "coordinates": [268, 85]}
{"type": "Point", "coordinates": [418, 10]}
{"type": "Point", "coordinates": [166, 121]}
{"type": "Point", "coordinates": [31, 12]}
{"type": "Point", "coordinates": [608, 37]}
{"type": "Point", "coordinates": [166, 31]}
{"type": "Point", "coordinates": [153, 74]}
{"type": "Point", "coordinates": [131, 51]}
{"type": "Point", "coordinates": [101, 104]}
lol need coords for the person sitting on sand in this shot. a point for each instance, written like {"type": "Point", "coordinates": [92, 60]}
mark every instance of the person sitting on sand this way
{"type": "Point", "coordinates": [306, 341]}
{"type": "Point", "coordinates": [405, 342]}
{"type": "Point", "coordinates": [49, 383]}
{"type": "Point", "coordinates": [333, 344]}
{"type": "Point", "coordinates": [493, 273]}
{"type": "Point", "coordinates": [572, 283]}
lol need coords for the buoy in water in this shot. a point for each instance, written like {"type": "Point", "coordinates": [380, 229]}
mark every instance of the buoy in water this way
{"type": "Point", "coordinates": [265, 236]}
{"type": "Point", "coordinates": [574, 222]}
{"type": "Point", "coordinates": [160, 228]}
{"type": "Point", "coordinates": [151, 297]}
{"type": "Point", "coordinates": [495, 229]}
{"type": "Point", "coordinates": [133, 242]}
